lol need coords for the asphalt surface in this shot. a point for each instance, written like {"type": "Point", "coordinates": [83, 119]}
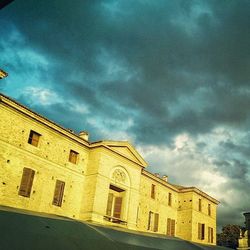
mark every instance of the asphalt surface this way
{"type": "Point", "coordinates": [23, 230]}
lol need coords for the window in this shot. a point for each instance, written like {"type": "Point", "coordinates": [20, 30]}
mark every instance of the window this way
{"type": "Point", "coordinates": [73, 155]}
{"type": "Point", "coordinates": [26, 182]}
{"type": "Point", "coordinates": [153, 221]}
{"type": "Point", "coordinates": [33, 138]}
{"type": "Point", "coordinates": [150, 220]}
{"type": "Point", "coordinates": [156, 222]}
{"type": "Point", "coordinates": [169, 199]}
{"type": "Point", "coordinates": [200, 205]}
{"type": "Point", "coordinates": [210, 235]}
{"type": "Point", "coordinates": [58, 193]}
{"type": "Point", "coordinates": [114, 203]}
{"type": "Point", "coordinates": [201, 231]}
{"type": "Point", "coordinates": [170, 227]}
{"type": "Point", "coordinates": [209, 209]}
{"type": "Point", "coordinates": [153, 191]}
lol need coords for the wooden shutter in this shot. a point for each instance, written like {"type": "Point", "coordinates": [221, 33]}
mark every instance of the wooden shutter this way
{"type": "Point", "coordinates": [156, 222]}
{"type": "Point", "coordinates": [152, 191]}
{"type": "Point", "coordinates": [58, 194]}
{"type": "Point", "coordinates": [117, 207]}
{"type": "Point", "coordinates": [109, 204]}
{"type": "Point", "coordinates": [34, 138]}
{"type": "Point", "coordinates": [200, 205]}
{"type": "Point", "coordinates": [168, 226]}
{"type": "Point", "coordinates": [26, 182]}
{"type": "Point", "coordinates": [150, 215]}
{"type": "Point", "coordinates": [73, 156]}
{"type": "Point", "coordinates": [199, 231]}
{"type": "Point", "coordinates": [170, 199]}
{"type": "Point", "coordinates": [209, 209]}
{"type": "Point", "coordinates": [172, 228]}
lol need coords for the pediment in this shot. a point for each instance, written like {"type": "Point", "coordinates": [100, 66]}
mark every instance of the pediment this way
{"type": "Point", "coordinates": [127, 150]}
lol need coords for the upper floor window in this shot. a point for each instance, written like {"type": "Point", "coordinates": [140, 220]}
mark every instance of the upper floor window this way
{"type": "Point", "coordinates": [26, 182]}
{"type": "Point", "coordinates": [153, 191]}
{"type": "Point", "coordinates": [169, 199]}
{"type": "Point", "coordinates": [209, 209]}
{"type": "Point", "coordinates": [199, 205]}
{"type": "Point", "coordinates": [34, 138]}
{"type": "Point", "coordinates": [73, 155]}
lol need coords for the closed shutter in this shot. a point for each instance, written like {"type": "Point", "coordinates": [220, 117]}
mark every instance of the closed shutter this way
{"type": "Point", "coordinates": [199, 231]}
{"type": "Point", "coordinates": [156, 222]}
{"type": "Point", "coordinates": [26, 182]}
{"type": "Point", "coordinates": [172, 227]}
{"type": "Point", "coordinates": [109, 204]}
{"type": "Point", "coordinates": [117, 207]}
{"type": "Point", "coordinates": [168, 226]}
{"type": "Point", "coordinates": [212, 235]}
{"type": "Point", "coordinates": [58, 194]}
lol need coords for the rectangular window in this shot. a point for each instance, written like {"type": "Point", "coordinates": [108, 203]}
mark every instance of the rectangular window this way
{"type": "Point", "coordinates": [58, 193]}
{"type": "Point", "coordinates": [209, 209]}
{"type": "Point", "coordinates": [153, 191]}
{"type": "Point", "coordinates": [156, 222]}
{"type": "Point", "coordinates": [170, 227]}
{"type": "Point", "coordinates": [109, 205]}
{"type": "Point", "coordinates": [200, 205]}
{"type": "Point", "coordinates": [201, 231]}
{"type": "Point", "coordinates": [73, 156]}
{"type": "Point", "coordinates": [33, 138]}
{"type": "Point", "coordinates": [150, 219]}
{"type": "Point", "coordinates": [26, 182]}
{"type": "Point", "coordinates": [170, 199]}
{"type": "Point", "coordinates": [210, 235]}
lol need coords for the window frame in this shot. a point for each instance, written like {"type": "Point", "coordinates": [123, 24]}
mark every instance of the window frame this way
{"type": "Point", "coordinates": [26, 182]}
{"type": "Point", "coordinates": [73, 156]}
{"type": "Point", "coordinates": [58, 193]}
{"type": "Point", "coordinates": [34, 138]}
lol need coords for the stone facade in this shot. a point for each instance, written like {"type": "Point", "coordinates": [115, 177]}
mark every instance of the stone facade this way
{"type": "Point", "coordinates": [49, 169]}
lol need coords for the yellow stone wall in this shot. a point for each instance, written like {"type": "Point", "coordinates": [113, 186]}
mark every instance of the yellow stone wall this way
{"type": "Point", "coordinates": [87, 183]}
{"type": "Point", "coordinates": [157, 205]}
{"type": "Point", "coordinates": [49, 160]}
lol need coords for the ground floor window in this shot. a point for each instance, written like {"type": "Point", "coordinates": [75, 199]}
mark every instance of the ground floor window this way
{"type": "Point", "coordinates": [58, 193]}
{"type": "Point", "coordinates": [210, 235]}
{"type": "Point", "coordinates": [115, 202]}
{"type": "Point", "coordinates": [26, 182]}
{"type": "Point", "coordinates": [153, 221]}
{"type": "Point", "coordinates": [201, 231]}
{"type": "Point", "coordinates": [170, 227]}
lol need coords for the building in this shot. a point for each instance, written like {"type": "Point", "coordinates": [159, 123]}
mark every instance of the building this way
{"type": "Point", "coordinates": [46, 168]}
{"type": "Point", "coordinates": [244, 240]}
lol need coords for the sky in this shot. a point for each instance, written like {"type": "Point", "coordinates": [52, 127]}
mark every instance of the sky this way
{"type": "Point", "coordinates": [170, 76]}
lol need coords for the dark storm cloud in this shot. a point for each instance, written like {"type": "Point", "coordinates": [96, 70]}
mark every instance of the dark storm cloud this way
{"type": "Point", "coordinates": [172, 67]}
{"type": "Point", "coordinates": [168, 44]}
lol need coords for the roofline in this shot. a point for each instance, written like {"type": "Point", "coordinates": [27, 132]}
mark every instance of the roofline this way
{"type": "Point", "coordinates": [179, 190]}
{"type": "Point", "coordinates": [28, 112]}
{"type": "Point", "coordinates": [158, 179]}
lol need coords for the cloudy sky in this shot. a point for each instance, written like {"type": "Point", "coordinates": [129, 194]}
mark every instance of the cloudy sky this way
{"type": "Point", "coordinates": [172, 77]}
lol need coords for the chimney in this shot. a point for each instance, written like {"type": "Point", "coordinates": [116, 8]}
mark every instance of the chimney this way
{"type": "Point", "coordinates": [165, 178]}
{"type": "Point", "coordinates": [84, 135]}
